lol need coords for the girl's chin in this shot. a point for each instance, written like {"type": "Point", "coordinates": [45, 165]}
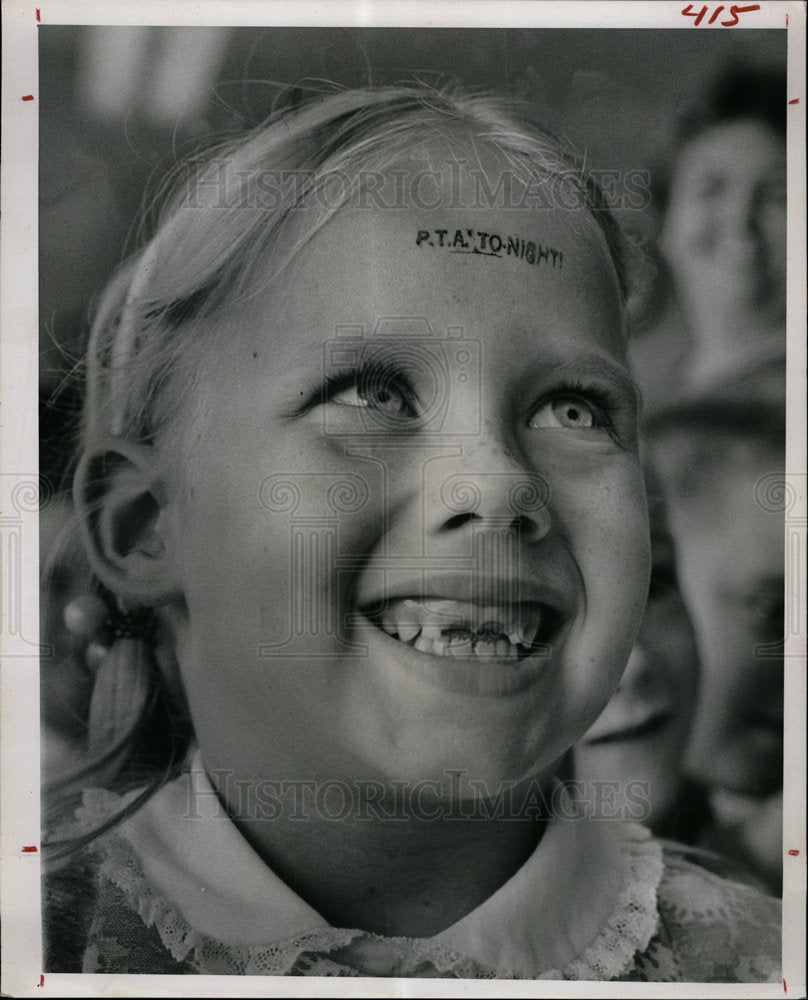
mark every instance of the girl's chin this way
{"type": "Point", "coordinates": [495, 751]}
{"type": "Point", "coordinates": [451, 776]}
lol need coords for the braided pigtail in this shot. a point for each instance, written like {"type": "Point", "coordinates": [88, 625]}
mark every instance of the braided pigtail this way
{"type": "Point", "coordinates": [138, 727]}
{"type": "Point", "coordinates": [123, 683]}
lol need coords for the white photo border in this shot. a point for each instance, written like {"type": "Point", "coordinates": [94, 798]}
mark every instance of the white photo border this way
{"type": "Point", "coordinates": [19, 746]}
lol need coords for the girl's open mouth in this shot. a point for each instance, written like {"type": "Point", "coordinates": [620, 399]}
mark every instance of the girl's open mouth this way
{"type": "Point", "coordinates": [462, 629]}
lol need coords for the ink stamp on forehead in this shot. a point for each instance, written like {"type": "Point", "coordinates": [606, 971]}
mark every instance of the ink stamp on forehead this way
{"type": "Point", "coordinates": [483, 244]}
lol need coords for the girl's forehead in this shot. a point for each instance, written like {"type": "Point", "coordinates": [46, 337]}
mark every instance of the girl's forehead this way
{"type": "Point", "coordinates": [547, 267]}
{"type": "Point", "coordinates": [460, 189]}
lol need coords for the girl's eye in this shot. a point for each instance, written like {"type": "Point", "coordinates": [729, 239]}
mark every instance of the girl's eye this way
{"type": "Point", "coordinates": [565, 411]}
{"type": "Point", "coordinates": [384, 395]}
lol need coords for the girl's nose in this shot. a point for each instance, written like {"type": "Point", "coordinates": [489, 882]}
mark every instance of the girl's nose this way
{"type": "Point", "coordinates": [520, 523]}
{"type": "Point", "coordinates": [488, 490]}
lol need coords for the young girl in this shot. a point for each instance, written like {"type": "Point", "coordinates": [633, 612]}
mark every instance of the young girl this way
{"type": "Point", "coordinates": [360, 477]}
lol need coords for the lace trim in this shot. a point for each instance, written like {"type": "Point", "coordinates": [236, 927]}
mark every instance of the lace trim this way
{"type": "Point", "coordinates": [354, 951]}
{"type": "Point", "coordinates": [635, 917]}
{"type": "Point", "coordinates": [332, 950]}
{"type": "Point", "coordinates": [350, 952]}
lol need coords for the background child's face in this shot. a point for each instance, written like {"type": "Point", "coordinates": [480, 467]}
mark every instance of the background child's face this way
{"type": "Point", "coordinates": [642, 733]}
{"type": "Point", "coordinates": [486, 457]}
{"type": "Point", "coordinates": [729, 547]}
{"type": "Point", "coordinates": [725, 227]}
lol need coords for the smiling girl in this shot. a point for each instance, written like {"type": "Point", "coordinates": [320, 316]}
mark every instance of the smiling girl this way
{"type": "Point", "coordinates": [369, 504]}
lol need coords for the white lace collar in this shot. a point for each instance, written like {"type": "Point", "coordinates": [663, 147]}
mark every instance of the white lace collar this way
{"type": "Point", "coordinates": [580, 908]}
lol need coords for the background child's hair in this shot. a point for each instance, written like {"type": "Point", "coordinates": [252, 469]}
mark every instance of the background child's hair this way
{"type": "Point", "coordinates": [738, 93]}
{"type": "Point", "coordinates": [230, 222]}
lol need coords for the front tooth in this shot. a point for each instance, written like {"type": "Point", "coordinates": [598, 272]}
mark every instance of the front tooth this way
{"type": "Point", "coordinates": [408, 611]}
{"type": "Point", "coordinates": [445, 611]}
{"type": "Point", "coordinates": [487, 650]}
{"type": "Point", "coordinates": [502, 647]}
{"type": "Point", "coordinates": [431, 631]}
{"type": "Point", "coordinates": [406, 615]}
{"type": "Point", "coordinates": [423, 644]}
{"type": "Point", "coordinates": [464, 648]}
{"type": "Point", "coordinates": [389, 627]}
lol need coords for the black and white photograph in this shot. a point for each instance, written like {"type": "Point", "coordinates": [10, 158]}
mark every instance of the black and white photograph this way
{"type": "Point", "coordinates": [403, 499]}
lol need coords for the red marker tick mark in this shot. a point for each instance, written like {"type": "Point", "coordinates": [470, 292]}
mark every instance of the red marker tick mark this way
{"type": "Point", "coordinates": [794, 852]}
{"type": "Point", "coordinates": [28, 97]}
{"type": "Point", "coordinates": [795, 101]}
{"type": "Point", "coordinates": [41, 980]}
{"type": "Point", "coordinates": [29, 850]}
{"type": "Point", "coordinates": [785, 988]}
{"type": "Point", "coordinates": [38, 17]}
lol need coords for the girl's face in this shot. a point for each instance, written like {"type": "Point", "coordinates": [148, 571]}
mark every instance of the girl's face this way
{"type": "Point", "coordinates": [410, 527]}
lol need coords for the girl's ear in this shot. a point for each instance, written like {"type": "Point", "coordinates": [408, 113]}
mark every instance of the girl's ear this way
{"type": "Point", "coordinates": [121, 504]}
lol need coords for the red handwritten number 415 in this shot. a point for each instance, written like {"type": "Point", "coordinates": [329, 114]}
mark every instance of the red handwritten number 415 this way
{"type": "Point", "coordinates": [733, 19]}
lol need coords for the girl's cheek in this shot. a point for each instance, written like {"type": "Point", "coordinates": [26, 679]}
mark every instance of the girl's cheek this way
{"type": "Point", "coordinates": [617, 530]}
{"type": "Point", "coordinates": [600, 491]}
